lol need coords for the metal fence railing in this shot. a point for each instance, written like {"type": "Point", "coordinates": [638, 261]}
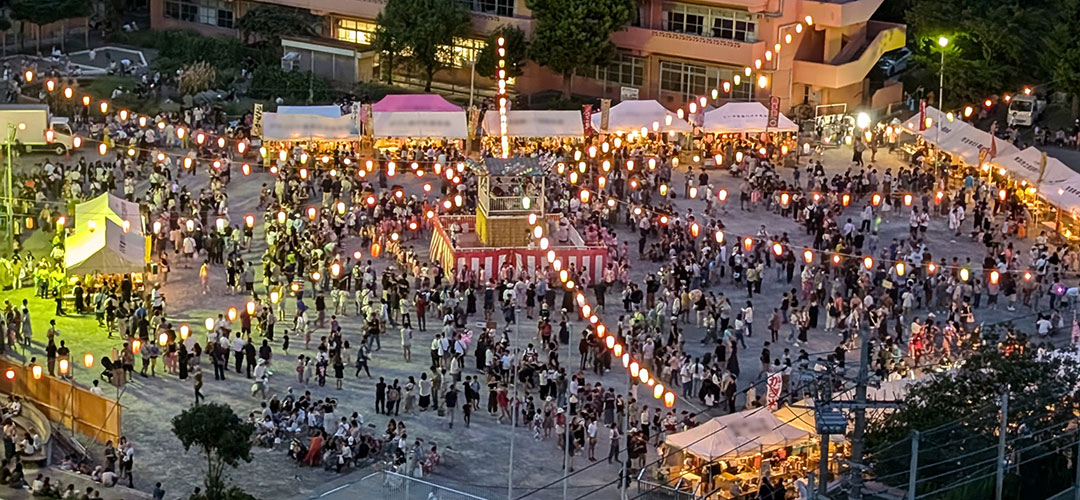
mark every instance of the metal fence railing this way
{"type": "Point", "coordinates": [390, 485]}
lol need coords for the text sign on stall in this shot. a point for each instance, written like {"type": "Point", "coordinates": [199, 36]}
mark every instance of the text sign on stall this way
{"type": "Point", "coordinates": [774, 112]}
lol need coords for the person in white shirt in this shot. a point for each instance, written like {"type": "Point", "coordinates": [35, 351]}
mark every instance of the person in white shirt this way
{"type": "Point", "coordinates": [96, 389]}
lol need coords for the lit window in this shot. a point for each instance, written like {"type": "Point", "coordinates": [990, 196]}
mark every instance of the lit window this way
{"type": "Point", "coordinates": [358, 32]}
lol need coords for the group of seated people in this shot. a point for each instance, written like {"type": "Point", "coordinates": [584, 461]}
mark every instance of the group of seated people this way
{"type": "Point", "coordinates": [13, 476]}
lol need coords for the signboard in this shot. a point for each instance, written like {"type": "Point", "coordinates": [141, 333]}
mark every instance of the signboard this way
{"type": "Point", "coordinates": [256, 123]}
{"type": "Point", "coordinates": [774, 112]}
{"type": "Point", "coordinates": [605, 111]}
{"type": "Point", "coordinates": [922, 115]}
{"type": "Point", "coordinates": [773, 388]}
{"type": "Point", "coordinates": [1075, 332]}
{"type": "Point", "coordinates": [629, 93]}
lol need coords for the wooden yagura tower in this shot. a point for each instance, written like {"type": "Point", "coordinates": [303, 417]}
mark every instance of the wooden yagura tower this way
{"type": "Point", "coordinates": [508, 190]}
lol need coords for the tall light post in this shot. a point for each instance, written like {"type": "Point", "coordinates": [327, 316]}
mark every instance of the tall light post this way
{"type": "Point", "coordinates": [942, 42]}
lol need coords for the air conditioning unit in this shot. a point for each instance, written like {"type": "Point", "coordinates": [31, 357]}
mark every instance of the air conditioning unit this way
{"type": "Point", "coordinates": [290, 61]}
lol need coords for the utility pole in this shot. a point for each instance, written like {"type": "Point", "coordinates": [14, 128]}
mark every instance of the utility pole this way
{"type": "Point", "coordinates": [913, 473]}
{"type": "Point", "coordinates": [857, 441]}
{"type": "Point", "coordinates": [999, 489]}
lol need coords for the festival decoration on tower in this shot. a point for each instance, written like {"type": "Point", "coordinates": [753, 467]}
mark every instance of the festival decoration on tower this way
{"type": "Point", "coordinates": [503, 100]}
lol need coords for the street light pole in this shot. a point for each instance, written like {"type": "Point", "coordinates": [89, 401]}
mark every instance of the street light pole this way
{"type": "Point", "coordinates": [472, 81]}
{"type": "Point", "coordinates": [942, 42]}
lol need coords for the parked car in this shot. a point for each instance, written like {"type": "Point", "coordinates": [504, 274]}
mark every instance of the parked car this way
{"type": "Point", "coordinates": [895, 62]}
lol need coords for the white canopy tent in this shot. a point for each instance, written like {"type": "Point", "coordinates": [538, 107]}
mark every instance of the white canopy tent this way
{"type": "Point", "coordinates": [106, 249]}
{"type": "Point", "coordinates": [632, 116]}
{"type": "Point", "coordinates": [940, 129]}
{"type": "Point", "coordinates": [294, 127]}
{"type": "Point", "coordinates": [738, 435]}
{"type": "Point", "coordinates": [550, 123]}
{"type": "Point", "coordinates": [744, 117]}
{"type": "Point", "coordinates": [112, 208]}
{"type": "Point", "coordinates": [967, 141]}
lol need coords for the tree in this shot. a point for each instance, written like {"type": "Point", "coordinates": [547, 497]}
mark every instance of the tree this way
{"type": "Point", "coordinates": [517, 48]}
{"type": "Point", "coordinates": [423, 31]}
{"type": "Point", "coordinates": [223, 438]}
{"type": "Point", "coordinates": [1062, 53]}
{"type": "Point", "coordinates": [5, 25]}
{"type": "Point", "coordinates": [391, 25]}
{"type": "Point", "coordinates": [990, 43]}
{"type": "Point", "coordinates": [957, 415]}
{"type": "Point", "coordinates": [572, 35]}
{"type": "Point", "coordinates": [269, 22]}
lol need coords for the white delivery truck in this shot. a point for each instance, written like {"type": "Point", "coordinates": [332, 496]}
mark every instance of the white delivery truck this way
{"type": "Point", "coordinates": [1024, 110]}
{"type": "Point", "coordinates": [30, 122]}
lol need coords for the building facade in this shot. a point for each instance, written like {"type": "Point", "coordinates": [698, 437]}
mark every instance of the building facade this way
{"type": "Point", "coordinates": [810, 52]}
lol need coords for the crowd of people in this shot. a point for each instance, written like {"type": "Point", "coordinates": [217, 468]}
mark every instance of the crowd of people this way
{"type": "Point", "coordinates": [324, 219]}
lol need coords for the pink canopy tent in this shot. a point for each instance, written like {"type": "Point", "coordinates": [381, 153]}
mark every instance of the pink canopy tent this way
{"type": "Point", "coordinates": [413, 102]}
{"type": "Point", "coordinates": [418, 116]}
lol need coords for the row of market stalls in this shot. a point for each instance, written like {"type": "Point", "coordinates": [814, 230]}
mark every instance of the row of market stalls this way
{"type": "Point", "coordinates": [432, 116]}
{"type": "Point", "coordinates": [1048, 186]}
{"type": "Point", "coordinates": [733, 452]}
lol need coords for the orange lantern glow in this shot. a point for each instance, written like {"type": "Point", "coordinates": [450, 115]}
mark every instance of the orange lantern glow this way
{"type": "Point", "coordinates": [868, 262]}
{"type": "Point", "coordinates": [808, 256]}
{"type": "Point", "coordinates": [88, 360]}
{"type": "Point", "coordinates": [376, 249]}
{"type": "Point", "coordinates": [748, 243]}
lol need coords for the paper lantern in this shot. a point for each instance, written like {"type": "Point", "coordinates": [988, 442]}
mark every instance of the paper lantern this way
{"type": "Point", "coordinates": [88, 360]}
{"type": "Point", "coordinates": [35, 371]}
{"type": "Point", "coordinates": [868, 262]}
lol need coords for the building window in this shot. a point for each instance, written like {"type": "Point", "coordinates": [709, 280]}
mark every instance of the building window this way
{"type": "Point", "coordinates": [624, 69]}
{"type": "Point", "coordinates": [213, 12]}
{"type": "Point", "coordinates": [496, 7]}
{"type": "Point", "coordinates": [720, 23]}
{"type": "Point", "coordinates": [358, 32]}
{"type": "Point", "coordinates": [691, 81]}
{"type": "Point", "coordinates": [463, 52]}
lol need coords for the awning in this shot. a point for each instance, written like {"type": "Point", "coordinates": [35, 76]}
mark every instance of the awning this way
{"type": "Point", "coordinates": [329, 111]}
{"type": "Point", "coordinates": [941, 128]}
{"type": "Point", "coordinates": [551, 123]}
{"type": "Point", "coordinates": [744, 117]}
{"type": "Point", "coordinates": [294, 127]}
{"type": "Point", "coordinates": [967, 141]}
{"type": "Point", "coordinates": [737, 435]}
{"type": "Point", "coordinates": [421, 124]}
{"type": "Point", "coordinates": [632, 116]}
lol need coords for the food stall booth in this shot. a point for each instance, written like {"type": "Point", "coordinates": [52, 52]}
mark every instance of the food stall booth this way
{"type": "Point", "coordinates": [531, 131]}
{"type": "Point", "coordinates": [726, 457]}
{"type": "Point", "coordinates": [744, 127]}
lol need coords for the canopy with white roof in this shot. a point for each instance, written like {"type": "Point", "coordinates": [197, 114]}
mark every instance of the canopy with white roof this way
{"type": "Point", "coordinates": [548, 123]}
{"type": "Point", "coordinates": [738, 435]}
{"type": "Point", "coordinates": [745, 117]}
{"type": "Point", "coordinates": [632, 116]}
{"type": "Point", "coordinates": [105, 249]}
{"type": "Point", "coordinates": [329, 111]}
{"type": "Point", "coordinates": [109, 207]}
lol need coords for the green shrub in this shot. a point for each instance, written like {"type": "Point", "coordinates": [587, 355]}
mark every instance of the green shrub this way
{"type": "Point", "coordinates": [270, 82]}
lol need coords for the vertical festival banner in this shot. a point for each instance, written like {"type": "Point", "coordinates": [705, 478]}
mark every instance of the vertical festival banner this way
{"type": "Point", "coordinates": [586, 119]}
{"type": "Point", "coordinates": [774, 386]}
{"type": "Point", "coordinates": [774, 112]}
{"type": "Point", "coordinates": [256, 122]}
{"type": "Point", "coordinates": [605, 111]}
{"type": "Point", "coordinates": [368, 120]}
{"type": "Point", "coordinates": [922, 115]}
